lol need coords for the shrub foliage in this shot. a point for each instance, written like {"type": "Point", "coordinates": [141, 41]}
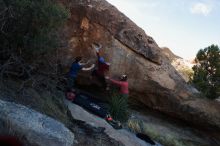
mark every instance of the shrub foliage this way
{"type": "Point", "coordinates": [29, 26]}
{"type": "Point", "coordinates": [119, 107]}
{"type": "Point", "coordinates": [28, 35]}
{"type": "Point", "coordinates": [206, 76]}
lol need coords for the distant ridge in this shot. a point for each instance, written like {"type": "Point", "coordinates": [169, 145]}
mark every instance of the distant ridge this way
{"type": "Point", "coordinates": [169, 54]}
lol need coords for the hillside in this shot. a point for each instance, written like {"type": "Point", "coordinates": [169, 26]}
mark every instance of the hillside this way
{"type": "Point", "coordinates": [33, 76]}
{"type": "Point", "coordinates": [183, 66]}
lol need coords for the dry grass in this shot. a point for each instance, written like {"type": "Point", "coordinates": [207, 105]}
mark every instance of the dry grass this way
{"type": "Point", "coordinates": [166, 139]}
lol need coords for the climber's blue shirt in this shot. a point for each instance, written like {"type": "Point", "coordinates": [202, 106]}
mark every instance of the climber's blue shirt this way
{"type": "Point", "coordinates": [75, 68]}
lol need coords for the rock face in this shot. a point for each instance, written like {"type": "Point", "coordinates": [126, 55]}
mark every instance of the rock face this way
{"type": "Point", "coordinates": [153, 81]}
{"type": "Point", "coordinates": [37, 129]}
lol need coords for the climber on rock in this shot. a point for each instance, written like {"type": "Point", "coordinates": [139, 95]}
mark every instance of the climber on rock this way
{"type": "Point", "coordinates": [102, 67]}
{"type": "Point", "coordinates": [76, 66]}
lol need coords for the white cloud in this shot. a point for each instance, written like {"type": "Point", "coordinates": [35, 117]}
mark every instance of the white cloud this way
{"type": "Point", "coordinates": [201, 8]}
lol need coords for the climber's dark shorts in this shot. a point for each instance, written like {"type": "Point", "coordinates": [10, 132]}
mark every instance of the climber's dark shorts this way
{"type": "Point", "coordinates": [100, 78]}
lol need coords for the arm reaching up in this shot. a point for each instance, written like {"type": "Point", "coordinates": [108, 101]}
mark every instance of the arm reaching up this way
{"type": "Point", "coordinates": [97, 47]}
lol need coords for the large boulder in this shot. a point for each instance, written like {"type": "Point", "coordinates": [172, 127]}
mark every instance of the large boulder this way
{"type": "Point", "coordinates": [152, 79]}
{"type": "Point", "coordinates": [37, 129]}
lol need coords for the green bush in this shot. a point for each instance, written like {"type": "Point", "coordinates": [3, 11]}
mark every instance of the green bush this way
{"type": "Point", "coordinates": [29, 26]}
{"type": "Point", "coordinates": [119, 107]}
{"type": "Point", "coordinates": [188, 72]}
{"type": "Point", "coordinates": [206, 77]}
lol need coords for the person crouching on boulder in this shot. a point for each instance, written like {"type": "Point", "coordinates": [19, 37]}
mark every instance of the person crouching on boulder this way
{"type": "Point", "coordinates": [102, 67]}
{"type": "Point", "coordinates": [122, 84]}
{"type": "Point", "coordinates": [76, 66]}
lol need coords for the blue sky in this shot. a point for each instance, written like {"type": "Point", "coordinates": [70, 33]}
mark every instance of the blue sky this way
{"type": "Point", "coordinates": [184, 26]}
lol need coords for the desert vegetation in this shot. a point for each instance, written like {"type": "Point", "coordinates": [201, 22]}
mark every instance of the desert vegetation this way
{"type": "Point", "coordinates": [206, 77]}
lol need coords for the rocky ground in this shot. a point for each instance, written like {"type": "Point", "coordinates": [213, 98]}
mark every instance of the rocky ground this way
{"type": "Point", "coordinates": [171, 132]}
{"type": "Point", "coordinates": [50, 101]}
{"type": "Point", "coordinates": [124, 136]}
{"type": "Point", "coordinates": [86, 126]}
